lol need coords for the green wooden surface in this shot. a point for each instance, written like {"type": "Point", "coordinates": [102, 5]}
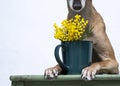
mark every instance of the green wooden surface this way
{"type": "Point", "coordinates": [64, 80]}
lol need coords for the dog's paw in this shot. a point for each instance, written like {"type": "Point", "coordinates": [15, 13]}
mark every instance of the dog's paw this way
{"type": "Point", "coordinates": [88, 74]}
{"type": "Point", "coordinates": [51, 73]}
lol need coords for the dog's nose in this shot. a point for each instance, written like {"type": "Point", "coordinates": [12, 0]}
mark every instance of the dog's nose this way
{"type": "Point", "coordinates": [77, 5]}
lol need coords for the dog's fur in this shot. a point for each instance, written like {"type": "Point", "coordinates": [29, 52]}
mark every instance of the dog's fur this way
{"type": "Point", "coordinates": [103, 55]}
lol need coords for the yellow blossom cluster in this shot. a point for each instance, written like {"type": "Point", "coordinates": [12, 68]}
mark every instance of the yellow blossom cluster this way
{"type": "Point", "coordinates": [70, 30]}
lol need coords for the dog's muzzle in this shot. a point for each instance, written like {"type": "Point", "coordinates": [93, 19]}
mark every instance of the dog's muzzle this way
{"type": "Point", "coordinates": [77, 4]}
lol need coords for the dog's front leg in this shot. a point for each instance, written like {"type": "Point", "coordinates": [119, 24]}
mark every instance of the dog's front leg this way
{"type": "Point", "coordinates": [51, 73]}
{"type": "Point", "coordinates": [107, 66]}
{"type": "Point", "coordinates": [108, 63]}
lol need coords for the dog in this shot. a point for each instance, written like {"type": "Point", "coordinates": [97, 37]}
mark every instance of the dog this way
{"type": "Point", "coordinates": [103, 59]}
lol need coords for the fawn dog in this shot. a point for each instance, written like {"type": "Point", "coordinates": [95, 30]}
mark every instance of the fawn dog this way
{"type": "Point", "coordinates": [103, 59]}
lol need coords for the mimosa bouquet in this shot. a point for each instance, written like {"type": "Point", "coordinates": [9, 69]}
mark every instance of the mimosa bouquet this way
{"type": "Point", "coordinates": [76, 28]}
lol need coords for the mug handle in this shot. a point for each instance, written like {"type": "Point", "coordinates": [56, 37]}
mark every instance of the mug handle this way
{"type": "Point", "coordinates": [57, 57]}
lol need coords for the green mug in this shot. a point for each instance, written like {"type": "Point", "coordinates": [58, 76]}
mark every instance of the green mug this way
{"type": "Point", "coordinates": [76, 55]}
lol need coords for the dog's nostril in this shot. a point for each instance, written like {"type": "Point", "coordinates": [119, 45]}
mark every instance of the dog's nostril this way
{"type": "Point", "coordinates": [77, 6]}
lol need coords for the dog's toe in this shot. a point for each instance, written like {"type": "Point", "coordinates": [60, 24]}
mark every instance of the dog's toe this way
{"type": "Point", "coordinates": [55, 72]}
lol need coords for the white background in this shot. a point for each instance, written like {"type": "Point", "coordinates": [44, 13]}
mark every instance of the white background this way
{"type": "Point", "coordinates": [26, 33]}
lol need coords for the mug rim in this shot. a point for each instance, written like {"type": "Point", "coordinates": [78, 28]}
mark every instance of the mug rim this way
{"type": "Point", "coordinates": [78, 41]}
